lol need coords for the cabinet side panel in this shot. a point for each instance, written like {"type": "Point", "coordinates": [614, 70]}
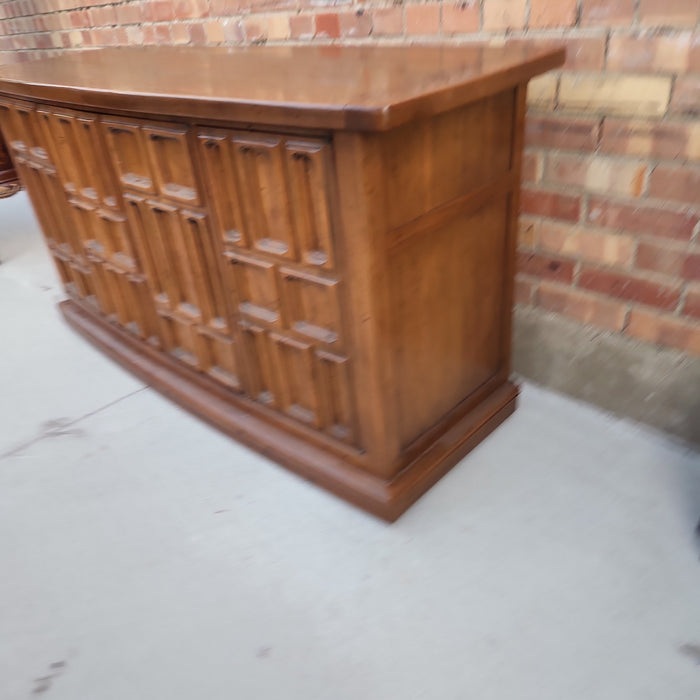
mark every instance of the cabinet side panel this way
{"type": "Point", "coordinates": [362, 215]}
{"type": "Point", "coordinates": [433, 161]}
{"type": "Point", "coordinates": [447, 297]}
{"type": "Point", "coordinates": [452, 184]}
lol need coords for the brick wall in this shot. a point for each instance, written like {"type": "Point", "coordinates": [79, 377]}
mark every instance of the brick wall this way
{"type": "Point", "coordinates": [610, 230]}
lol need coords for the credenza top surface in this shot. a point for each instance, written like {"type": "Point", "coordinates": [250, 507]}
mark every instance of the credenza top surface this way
{"type": "Point", "coordinates": [324, 87]}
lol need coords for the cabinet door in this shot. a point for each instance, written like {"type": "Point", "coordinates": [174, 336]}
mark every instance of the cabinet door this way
{"type": "Point", "coordinates": [128, 153]}
{"type": "Point", "coordinates": [267, 212]}
{"type": "Point", "coordinates": [75, 143]}
{"type": "Point", "coordinates": [308, 166]}
{"type": "Point", "coordinates": [271, 197]}
{"type": "Point", "coordinates": [271, 193]}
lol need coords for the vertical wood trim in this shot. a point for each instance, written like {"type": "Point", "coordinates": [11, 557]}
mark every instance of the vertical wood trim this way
{"type": "Point", "coordinates": [359, 172]}
{"type": "Point", "coordinates": [219, 264]}
{"type": "Point", "coordinates": [511, 244]}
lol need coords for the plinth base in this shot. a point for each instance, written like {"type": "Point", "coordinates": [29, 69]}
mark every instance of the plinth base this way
{"type": "Point", "coordinates": [239, 417]}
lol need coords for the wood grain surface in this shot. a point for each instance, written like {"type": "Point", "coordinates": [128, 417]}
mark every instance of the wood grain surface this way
{"type": "Point", "coordinates": [333, 87]}
{"type": "Point", "coordinates": [329, 282]}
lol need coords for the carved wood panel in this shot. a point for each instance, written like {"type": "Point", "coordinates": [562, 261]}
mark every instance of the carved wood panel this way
{"type": "Point", "coordinates": [272, 201]}
{"type": "Point", "coordinates": [216, 246]}
{"type": "Point", "coordinates": [271, 193]}
{"type": "Point", "coordinates": [175, 247]}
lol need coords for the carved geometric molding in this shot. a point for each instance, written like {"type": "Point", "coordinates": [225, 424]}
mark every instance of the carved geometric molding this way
{"type": "Point", "coordinates": [335, 392]}
{"type": "Point", "coordinates": [298, 396]}
{"type": "Point", "coordinates": [172, 166]}
{"type": "Point", "coordinates": [226, 275]}
{"type": "Point", "coordinates": [260, 164]}
{"type": "Point", "coordinates": [127, 149]}
{"type": "Point", "coordinates": [270, 193]}
{"type": "Point", "coordinates": [257, 291]}
{"type": "Point", "coordinates": [308, 171]}
{"type": "Point", "coordinates": [312, 306]}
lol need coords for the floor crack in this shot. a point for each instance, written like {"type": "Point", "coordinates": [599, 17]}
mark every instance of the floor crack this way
{"type": "Point", "coordinates": [57, 428]}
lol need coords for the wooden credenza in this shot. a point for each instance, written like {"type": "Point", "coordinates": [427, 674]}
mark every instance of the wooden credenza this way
{"type": "Point", "coordinates": [310, 247]}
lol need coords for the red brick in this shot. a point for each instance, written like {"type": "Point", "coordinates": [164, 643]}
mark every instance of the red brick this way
{"type": "Point", "coordinates": [691, 266]}
{"type": "Point", "coordinates": [163, 35]}
{"type": "Point", "coordinates": [691, 306]}
{"type": "Point", "coordinates": [328, 25]}
{"type": "Point", "coordinates": [633, 288]}
{"type": "Point", "coordinates": [82, 19]}
{"type": "Point", "coordinates": [657, 257]}
{"type": "Point", "coordinates": [677, 183]}
{"type": "Point", "coordinates": [355, 24]}
{"type": "Point", "coordinates": [664, 330]}
{"type": "Point", "coordinates": [387, 21]}
{"type": "Point", "coordinates": [234, 31]}
{"type": "Point", "coordinates": [635, 218]}
{"type": "Point", "coordinates": [214, 31]}
{"type": "Point", "coordinates": [180, 34]}
{"type": "Point", "coordinates": [545, 13]}
{"type": "Point", "coordinates": [526, 232]}
{"type": "Point", "coordinates": [149, 35]}
{"type": "Point", "coordinates": [615, 93]}
{"type": "Point", "coordinates": [301, 26]}
{"type": "Point", "coordinates": [524, 290]}
{"type": "Point", "coordinates": [585, 53]}
{"type": "Point", "coordinates": [567, 134]}
{"type": "Point", "coordinates": [532, 167]}
{"type": "Point", "coordinates": [190, 9]}
{"type": "Point", "coordinates": [102, 16]}
{"type": "Point", "coordinates": [55, 22]}
{"type": "Point", "coordinates": [423, 19]}
{"type": "Point", "coordinates": [43, 41]}
{"type": "Point", "coordinates": [134, 35]}
{"type": "Point", "coordinates": [545, 266]}
{"type": "Point", "coordinates": [551, 204]}
{"type": "Point", "coordinates": [224, 8]}
{"type": "Point", "coordinates": [596, 173]}
{"type": "Point", "coordinates": [674, 13]}
{"type": "Point", "coordinates": [278, 27]}
{"type": "Point", "coordinates": [593, 245]}
{"type": "Point", "coordinates": [694, 57]}
{"type": "Point", "coordinates": [119, 31]}
{"type": "Point", "coordinates": [582, 306]}
{"type": "Point", "coordinates": [651, 139]}
{"type": "Point", "coordinates": [649, 53]}
{"type": "Point", "coordinates": [127, 14]}
{"type": "Point", "coordinates": [686, 95]}
{"type": "Point", "coordinates": [197, 34]}
{"type": "Point", "coordinates": [158, 11]}
{"type": "Point", "coordinates": [461, 18]}
{"type": "Point", "coordinates": [504, 15]}
{"type": "Point", "coordinates": [607, 13]}
{"type": "Point", "coordinates": [255, 28]}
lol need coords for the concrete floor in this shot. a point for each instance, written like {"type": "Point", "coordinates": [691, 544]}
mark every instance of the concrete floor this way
{"type": "Point", "coordinates": [144, 556]}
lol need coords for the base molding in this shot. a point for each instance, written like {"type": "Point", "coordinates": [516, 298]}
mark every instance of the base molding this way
{"type": "Point", "coordinates": [229, 413]}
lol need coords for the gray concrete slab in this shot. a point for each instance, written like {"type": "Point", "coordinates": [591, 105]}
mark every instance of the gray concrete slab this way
{"type": "Point", "coordinates": [146, 556]}
{"type": "Point", "coordinates": [39, 393]}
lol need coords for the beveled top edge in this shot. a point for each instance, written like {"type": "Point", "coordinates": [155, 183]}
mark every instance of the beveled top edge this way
{"type": "Point", "coordinates": [327, 87]}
